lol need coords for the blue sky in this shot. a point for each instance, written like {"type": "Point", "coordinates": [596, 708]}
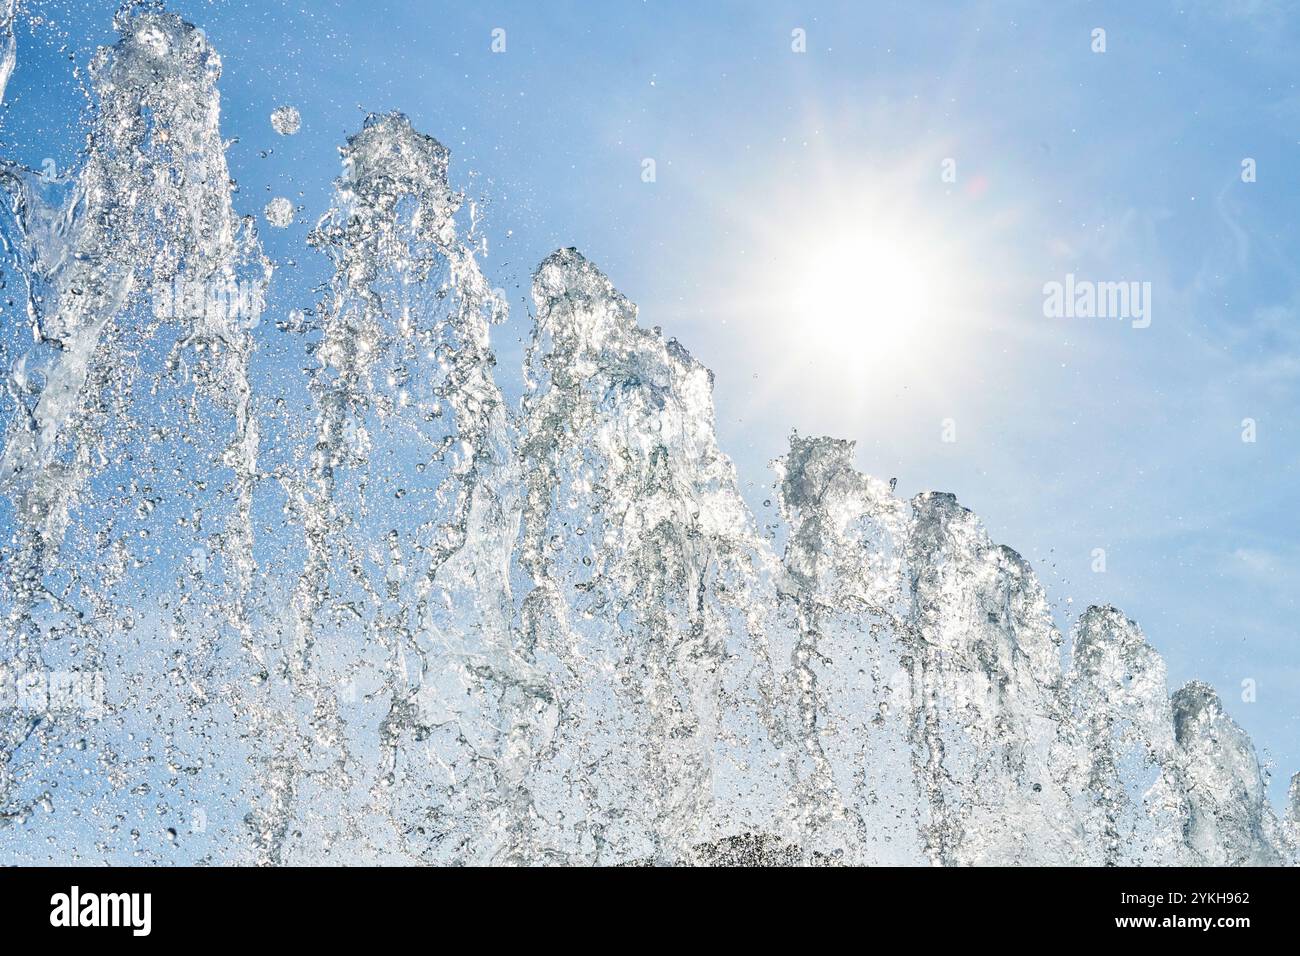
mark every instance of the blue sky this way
{"type": "Point", "coordinates": [1073, 434]}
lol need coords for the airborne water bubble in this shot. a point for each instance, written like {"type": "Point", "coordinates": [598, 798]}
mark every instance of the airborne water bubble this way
{"type": "Point", "coordinates": [286, 120]}
{"type": "Point", "coordinates": [279, 212]}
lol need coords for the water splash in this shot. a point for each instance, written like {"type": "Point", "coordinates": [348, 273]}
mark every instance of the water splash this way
{"type": "Point", "coordinates": [642, 565]}
{"type": "Point", "coordinates": [1230, 822]}
{"type": "Point", "coordinates": [279, 212]}
{"type": "Point", "coordinates": [1134, 805]}
{"type": "Point", "coordinates": [8, 44]}
{"type": "Point", "coordinates": [286, 120]}
{"type": "Point", "coordinates": [421, 625]}
{"type": "Point", "coordinates": [116, 550]}
{"type": "Point", "coordinates": [401, 640]}
{"type": "Point", "coordinates": [850, 672]}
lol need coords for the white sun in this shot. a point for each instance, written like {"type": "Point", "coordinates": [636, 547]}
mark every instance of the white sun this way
{"type": "Point", "coordinates": [858, 285]}
{"type": "Point", "coordinates": [862, 297]}
{"type": "Point", "coordinates": [874, 295]}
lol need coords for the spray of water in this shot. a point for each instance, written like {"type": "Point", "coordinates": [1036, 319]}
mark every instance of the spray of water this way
{"type": "Point", "coordinates": [425, 626]}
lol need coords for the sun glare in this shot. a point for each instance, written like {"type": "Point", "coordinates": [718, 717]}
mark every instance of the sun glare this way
{"type": "Point", "coordinates": [875, 295]}
{"type": "Point", "coordinates": [865, 278]}
{"type": "Point", "coordinates": [870, 295]}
